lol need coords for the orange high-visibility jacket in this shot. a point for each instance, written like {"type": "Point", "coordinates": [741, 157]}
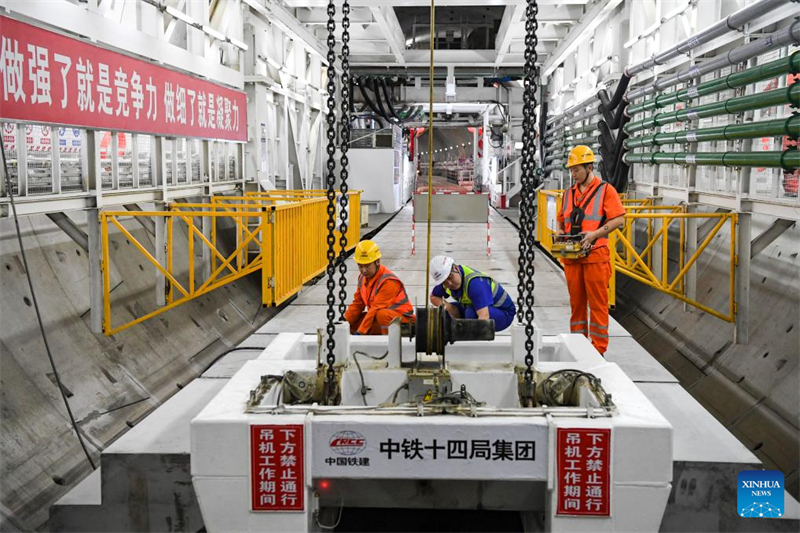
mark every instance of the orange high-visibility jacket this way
{"type": "Point", "coordinates": [603, 205]}
{"type": "Point", "coordinates": [383, 291]}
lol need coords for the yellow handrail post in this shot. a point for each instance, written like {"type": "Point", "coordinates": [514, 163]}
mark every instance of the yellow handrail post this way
{"type": "Point", "coordinates": [213, 235]}
{"type": "Point", "coordinates": [629, 259]}
{"type": "Point", "coordinates": [682, 252]}
{"type": "Point", "coordinates": [106, 267]}
{"type": "Point", "coordinates": [239, 237]}
{"type": "Point", "coordinates": [190, 231]}
{"type": "Point", "coordinates": [169, 257]}
{"type": "Point", "coordinates": [665, 249]}
{"type": "Point", "coordinates": [612, 282]}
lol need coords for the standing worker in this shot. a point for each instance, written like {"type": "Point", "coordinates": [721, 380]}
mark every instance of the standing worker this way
{"type": "Point", "coordinates": [592, 209]}
{"type": "Point", "coordinates": [476, 294]}
{"type": "Point", "coordinates": [379, 291]}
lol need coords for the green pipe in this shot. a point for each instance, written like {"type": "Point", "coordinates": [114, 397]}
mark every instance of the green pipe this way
{"type": "Point", "coordinates": [789, 127]}
{"type": "Point", "coordinates": [786, 159]}
{"type": "Point", "coordinates": [786, 65]}
{"type": "Point", "coordinates": [787, 95]}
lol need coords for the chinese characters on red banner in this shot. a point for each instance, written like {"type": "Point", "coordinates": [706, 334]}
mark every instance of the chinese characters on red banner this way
{"type": "Point", "coordinates": [49, 78]}
{"type": "Point", "coordinates": [583, 472]}
{"type": "Point", "coordinates": [277, 467]}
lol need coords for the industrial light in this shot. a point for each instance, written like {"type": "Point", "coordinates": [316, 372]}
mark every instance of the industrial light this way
{"type": "Point", "coordinates": [214, 33]}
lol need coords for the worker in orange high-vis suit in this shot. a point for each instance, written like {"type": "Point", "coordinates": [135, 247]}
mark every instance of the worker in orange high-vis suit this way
{"type": "Point", "coordinates": [591, 208]}
{"type": "Point", "coordinates": [380, 296]}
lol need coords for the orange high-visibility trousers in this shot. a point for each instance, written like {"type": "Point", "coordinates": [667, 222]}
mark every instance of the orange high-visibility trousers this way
{"type": "Point", "coordinates": [380, 326]}
{"type": "Point", "coordinates": [588, 287]}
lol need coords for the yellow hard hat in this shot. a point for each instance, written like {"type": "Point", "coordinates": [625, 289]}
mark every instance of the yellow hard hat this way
{"type": "Point", "coordinates": [367, 252]}
{"type": "Point", "coordinates": [580, 155]}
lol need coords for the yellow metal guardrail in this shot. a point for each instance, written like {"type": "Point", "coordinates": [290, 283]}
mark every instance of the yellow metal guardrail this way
{"type": "Point", "coordinates": [282, 234]}
{"type": "Point", "coordinates": [639, 264]}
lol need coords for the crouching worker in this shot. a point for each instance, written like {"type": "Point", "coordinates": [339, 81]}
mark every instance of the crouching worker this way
{"type": "Point", "coordinates": [380, 295]}
{"type": "Point", "coordinates": [476, 294]}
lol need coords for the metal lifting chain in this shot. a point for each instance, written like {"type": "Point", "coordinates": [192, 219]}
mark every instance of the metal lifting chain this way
{"type": "Point", "coordinates": [344, 145]}
{"type": "Point", "coordinates": [330, 179]}
{"type": "Point", "coordinates": [527, 219]}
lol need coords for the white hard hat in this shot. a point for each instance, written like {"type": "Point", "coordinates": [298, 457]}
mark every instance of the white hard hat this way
{"type": "Point", "coordinates": [441, 266]}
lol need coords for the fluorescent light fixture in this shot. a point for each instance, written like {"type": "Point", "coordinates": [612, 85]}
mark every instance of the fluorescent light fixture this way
{"type": "Point", "coordinates": [238, 44]}
{"type": "Point", "coordinates": [214, 33]}
{"type": "Point", "coordinates": [180, 15]}
{"type": "Point", "coordinates": [518, 145]}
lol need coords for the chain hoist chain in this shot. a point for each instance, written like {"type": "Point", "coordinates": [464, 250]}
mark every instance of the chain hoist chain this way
{"type": "Point", "coordinates": [524, 177]}
{"type": "Point", "coordinates": [344, 145]}
{"type": "Point", "coordinates": [528, 199]}
{"type": "Point", "coordinates": [330, 178]}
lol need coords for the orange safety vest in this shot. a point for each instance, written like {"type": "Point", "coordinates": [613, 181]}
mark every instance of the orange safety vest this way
{"type": "Point", "coordinates": [401, 304]}
{"type": "Point", "coordinates": [594, 215]}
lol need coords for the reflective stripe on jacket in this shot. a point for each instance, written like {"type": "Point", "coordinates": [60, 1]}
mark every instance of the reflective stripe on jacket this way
{"type": "Point", "coordinates": [594, 212]}
{"type": "Point", "coordinates": [471, 274]}
{"type": "Point", "coordinates": [401, 303]}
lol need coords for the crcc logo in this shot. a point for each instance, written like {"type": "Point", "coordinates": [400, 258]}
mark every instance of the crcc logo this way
{"type": "Point", "coordinates": [348, 443]}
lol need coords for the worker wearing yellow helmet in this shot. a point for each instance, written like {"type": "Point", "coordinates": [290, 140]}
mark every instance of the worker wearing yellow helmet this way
{"type": "Point", "coordinates": [591, 209]}
{"type": "Point", "coordinates": [380, 295]}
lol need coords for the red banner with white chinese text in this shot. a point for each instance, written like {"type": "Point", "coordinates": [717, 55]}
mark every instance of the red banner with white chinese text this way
{"type": "Point", "coordinates": [276, 477]}
{"type": "Point", "coordinates": [49, 78]}
{"type": "Point", "coordinates": [584, 484]}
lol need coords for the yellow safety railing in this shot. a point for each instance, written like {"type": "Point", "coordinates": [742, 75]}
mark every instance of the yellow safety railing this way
{"type": "Point", "coordinates": [284, 235]}
{"type": "Point", "coordinates": [639, 263]}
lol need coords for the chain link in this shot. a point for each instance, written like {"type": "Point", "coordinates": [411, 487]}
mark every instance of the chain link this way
{"type": "Point", "coordinates": [344, 145]}
{"type": "Point", "coordinates": [528, 181]}
{"type": "Point", "coordinates": [330, 179]}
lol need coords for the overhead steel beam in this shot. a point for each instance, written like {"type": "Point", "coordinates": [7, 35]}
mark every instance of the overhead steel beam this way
{"type": "Point", "coordinates": [390, 26]}
{"type": "Point", "coordinates": [274, 13]}
{"type": "Point", "coordinates": [71, 229]}
{"type": "Point", "coordinates": [776, 229]}
{"type": "Point", "coordinates": [579, 33]}
{"type": "Point", "coordinates": [508, 27]}
{"type": "Point", "coordinates": [319, 17]}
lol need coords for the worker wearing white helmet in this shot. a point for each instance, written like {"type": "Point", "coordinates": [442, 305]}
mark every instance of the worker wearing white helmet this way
{"type": "Point", "coordinates": [476, 294]}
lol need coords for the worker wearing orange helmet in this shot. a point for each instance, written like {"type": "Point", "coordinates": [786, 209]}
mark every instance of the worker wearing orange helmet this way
{"type": "Point", "coordinates": [380, 295]}
{"type": "Point", "coordinates": [592, 209]}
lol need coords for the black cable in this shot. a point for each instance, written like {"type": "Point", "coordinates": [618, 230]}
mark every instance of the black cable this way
{"type": "Point", "coordinates": [226, 352]}
{"type": "Point", "coordinates": [364, 388]}
{"type": "Point", "coordinates": [36, 307]}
